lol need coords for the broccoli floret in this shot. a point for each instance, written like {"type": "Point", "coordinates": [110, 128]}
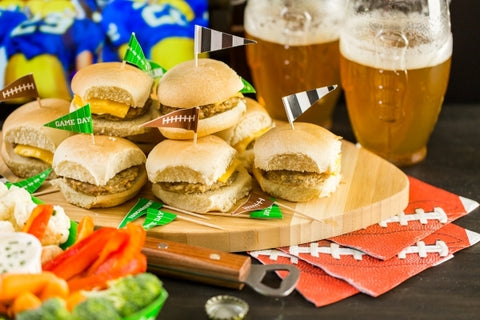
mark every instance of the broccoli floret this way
{"type": "Point", "coordinates": [51, 309]}
{"type": "Point", "coordinates": [95, 308]}
{"type": "Point", "coordinates": [131, 293]}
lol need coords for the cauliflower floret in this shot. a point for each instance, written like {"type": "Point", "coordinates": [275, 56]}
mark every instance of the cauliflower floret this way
{"type": "Point", "coordinates": [6, 226]}
{"type": "Point", "coordinates": [16, 206]}
{"type": "Point", "coordinates": [3, 188]}
{"type": "Point", "coordinates": [58, 227]}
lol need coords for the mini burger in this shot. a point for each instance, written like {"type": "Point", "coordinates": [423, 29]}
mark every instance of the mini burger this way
{"type": "Point", "coordinates": [254, 123]}
{"type": "Point", "coordinates": [200, 177]}
{"type": "Point", "coordinates": [299, 164]}
{"type": "Point", "coordinates": [119, 98]}
{"type": "Point", "coordinates": [212, 86]}
{"type": "Point", "coordinates": [28, 146]}
{"type": "Point", "coordinates": [98, 171]}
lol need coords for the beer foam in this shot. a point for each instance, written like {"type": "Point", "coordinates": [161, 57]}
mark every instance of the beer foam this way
{"type": "Point", "coordinates": [358, 45]}
{"type": "Point", "coordinates": [263, 19]}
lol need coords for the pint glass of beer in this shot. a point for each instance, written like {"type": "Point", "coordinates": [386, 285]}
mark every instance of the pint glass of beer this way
{"type": "Point", "coordinates": [296, 50]}
{"type": "Point", "coordinates": [395, 63]}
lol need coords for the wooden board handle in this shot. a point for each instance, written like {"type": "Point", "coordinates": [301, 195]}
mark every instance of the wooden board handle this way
{"type": "Point", "coordinates": [196, 263]}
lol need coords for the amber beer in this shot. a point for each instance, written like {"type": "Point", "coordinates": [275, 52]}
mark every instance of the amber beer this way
{"type": "Point", "coordinates": [287, 60]}
{"type": "Point", "coordinates": [394, 101]}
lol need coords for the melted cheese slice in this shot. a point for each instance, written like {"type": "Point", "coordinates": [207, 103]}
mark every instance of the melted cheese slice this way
{"type": "Point", "coordinates": [99, 106]}
{"type": "Point", "coordinates": [34, 152]}
{"type": "Point", "coordinates": [230, 170]}
{"type": "Point", "coordinates": [242, 145]}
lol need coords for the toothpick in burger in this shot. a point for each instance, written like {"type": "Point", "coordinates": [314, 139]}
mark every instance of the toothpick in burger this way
{"type": "Point", "coordinates": [96, 171]}
{"type": "Point", "coordinates": [199, 177]}
{"type": "Point", "coordinates": [210, 85]}
{"type": "Point", "coordinates": [28, 146]}
{"type": "Point", "coordinates": [299, 164]}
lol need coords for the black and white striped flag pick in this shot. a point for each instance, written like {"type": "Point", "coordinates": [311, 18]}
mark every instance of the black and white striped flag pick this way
{"type": "Point", "coordinates": [207, 40]}
{"type": "Point", "coordinates": [296, 104]}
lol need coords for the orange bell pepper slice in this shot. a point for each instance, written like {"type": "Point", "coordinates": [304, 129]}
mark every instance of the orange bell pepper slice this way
{"type": "Point", "coordinates": [85, 228]}
{"type": "Point", "coordinates": [38, 221]}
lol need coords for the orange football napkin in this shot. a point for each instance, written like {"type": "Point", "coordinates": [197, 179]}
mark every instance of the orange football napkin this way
{"type": "Point", "coordinates": [378, 258]}
{"type": "Point", "coordinates": [429, 209]}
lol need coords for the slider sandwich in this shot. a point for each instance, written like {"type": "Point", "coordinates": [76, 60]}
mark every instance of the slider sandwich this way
{"type": "Point", "coordinates": [28, 146]}
{"type": "Point", "coordinates": [119, 98]}
{"type": "Point", "coordinates": [242, 135]}
{"type": "Point", "coordinates": [98, 171]}
{"type": "Point", "coordinates": [200, 177]}
{"type": "Point", "coordinates": [299, 164]}
{"type": "Point", "coordinates": [212, 86]}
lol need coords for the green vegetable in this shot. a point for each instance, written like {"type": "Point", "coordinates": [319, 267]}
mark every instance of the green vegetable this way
{"type": "Point", "coordinates": [51, 309]}
{"type": "Point", "coordinates": [130, 294]}
{"type": "Point", "coordinates": [124, 297]}
{"type": "Point", "coordinates": [95, 308]}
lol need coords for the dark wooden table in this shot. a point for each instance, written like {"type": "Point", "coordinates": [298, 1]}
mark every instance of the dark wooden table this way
{"type": "Point", "coordinates": [448, 291]}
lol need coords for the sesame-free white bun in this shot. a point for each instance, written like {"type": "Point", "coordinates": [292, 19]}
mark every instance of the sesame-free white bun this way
{"type": "Point", "coordinates": [117, 82]}
{"type": "Point", "coordinates": [254, 123]}
{"type": "Point", "coordinates": [308, 148]}
{"type": "Point", "coordinates": [124, 128]}
{"type": "Point", "coordinates": [189, 85]}
{"type": "Point", "coordinates": [96, 159]}
{"type": "Point", "coordinates": [203, 162]}
{"type": "Point", "coordinates": [114, 81]}
{"type": "Point", "coordinates": [255, 119]}
{"type": "Point", "coordinates": [25, 125]}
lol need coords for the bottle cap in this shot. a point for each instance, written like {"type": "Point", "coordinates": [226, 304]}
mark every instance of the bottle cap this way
{"type": "Point", "coordinates": [226, 307]}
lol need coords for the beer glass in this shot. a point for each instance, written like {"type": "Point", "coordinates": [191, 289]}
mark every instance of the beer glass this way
{"type": "Point", "coordinates": [395, 63]}
{"type": "Point", "coordinates": [296, 50]}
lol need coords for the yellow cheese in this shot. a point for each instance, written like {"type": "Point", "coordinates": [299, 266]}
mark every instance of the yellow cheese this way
{"type": "Point", "coordinates": [230, 170]}
{"type": "Point", "coordinates": [99, 106]}
{"type": "Point", "coordinates": [34, 152]}
{"type": "Point", "coordinates": [242, 145]}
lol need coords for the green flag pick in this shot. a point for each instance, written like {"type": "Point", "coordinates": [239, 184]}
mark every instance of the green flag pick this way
{"type": "Point", "coordinates": [33, 183]}
{"type": "Point", "coordinates": [157, 71]}
{"type": "Point", "coordinates": [79, 121]}
{"type": "Point", "coordinates": [138, 210]}
{"type": "Point", "coordinates": [134, 54]}
{"type": "Point", "coordinates": [272, 212]}
{"type": "Point", "coordinates": [247, 87]}
{"type": "Point", "coordinates": [157, 217]}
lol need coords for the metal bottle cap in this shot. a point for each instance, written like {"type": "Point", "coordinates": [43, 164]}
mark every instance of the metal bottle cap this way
{"type": "Point", "coordinates": [226, 307]}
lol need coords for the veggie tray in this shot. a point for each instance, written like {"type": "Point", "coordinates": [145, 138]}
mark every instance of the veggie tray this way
{"type": "Point", "coordinates": [371, 190]}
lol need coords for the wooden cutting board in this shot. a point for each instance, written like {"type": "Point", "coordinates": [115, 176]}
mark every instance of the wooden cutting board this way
{"type": "Point", "coordinates": [371, 190]}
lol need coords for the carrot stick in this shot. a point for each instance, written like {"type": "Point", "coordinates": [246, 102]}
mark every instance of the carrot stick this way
{"type": "Point", "coordinates": [55, 287]}
{"type": "Point", "coordinates": [15, 284]}
{"type": "Point", "coordinates": [73, 299]}
{"type": "Point", "coordinates": [25, 301]}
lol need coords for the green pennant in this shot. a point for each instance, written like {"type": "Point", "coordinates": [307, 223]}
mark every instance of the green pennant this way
{"type": "Point", "coordinates": [157, 71]}
{"type": "Point", "coordinates": [272, 212]}
{"type": "Point", "coordinates": [157, 217]}
{"type": "Point", "coordinates": [134, 54]}
{"type": "Point", "coordinates": [33, 183]}
{"type": "Point", "coordinates": [139, 210]}
{"type": "Point", "coordinates": [247, 87]}
{"type": "Point", "coordinates": [79, 121]}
